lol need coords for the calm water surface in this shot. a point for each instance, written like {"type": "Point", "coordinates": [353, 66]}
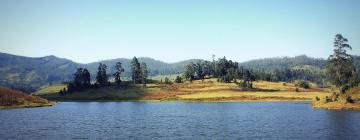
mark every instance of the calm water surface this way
{"type": "Point", "coordinates": [173, 120]}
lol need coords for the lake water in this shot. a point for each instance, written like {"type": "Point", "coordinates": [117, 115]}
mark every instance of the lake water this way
{"type": "Point", "coordinates": [176, 120]}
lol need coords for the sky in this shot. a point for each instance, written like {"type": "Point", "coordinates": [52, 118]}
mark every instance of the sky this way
{"type": "Point", "coordinates": [174, 30]}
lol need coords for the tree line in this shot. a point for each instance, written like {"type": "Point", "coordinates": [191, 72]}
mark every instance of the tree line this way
{"type": "Point", "coordinates": [82, 77]}
{"type": "Point", "coordinates": [229, 71]}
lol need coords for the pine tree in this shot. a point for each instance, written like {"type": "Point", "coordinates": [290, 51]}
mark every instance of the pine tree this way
{"type": "Point", "coordinates": [118, 70]}
{"type": "Point", "coordinates": [101, 77]}
{"type": "Point", "coordinates": [144, 73]}
{"type": "Point", "coordinates": [135, 71]}
{"type": "Point", "coordinates": [340, 68]}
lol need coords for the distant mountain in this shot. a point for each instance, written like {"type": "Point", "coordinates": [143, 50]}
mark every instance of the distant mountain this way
{"type": "Point", "coordinates": [315, 65]}
{"type": "Point", "coordinates": [27, 73]}
{"type": "Point", "coordinates": [30, 73]}
{"type": "Point", "coordinates": [156, 67]}
{"type": "Point", "coordinates": [301, 61]}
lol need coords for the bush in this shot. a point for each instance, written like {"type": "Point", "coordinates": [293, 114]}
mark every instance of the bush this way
{"type": "Point", "coordinates": [303, 84]}
{"type": "Point", "coordinates": [167, 80]}
{"type": "Point", "coordinates": [178, 79]}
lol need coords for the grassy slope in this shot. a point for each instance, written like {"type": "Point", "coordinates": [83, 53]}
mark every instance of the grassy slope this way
{"type": "Point", "coordinates": [209, 90]}
{"type": "Point", "coordinates": [15, 99]}
{"type": "Point", "coordinates": [50, 89]}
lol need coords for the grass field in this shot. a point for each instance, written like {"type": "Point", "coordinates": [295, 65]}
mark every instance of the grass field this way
{"type": "Point", "coordinates": [50, 89]}
{"type": "Point", "coordinates": [208, 91]}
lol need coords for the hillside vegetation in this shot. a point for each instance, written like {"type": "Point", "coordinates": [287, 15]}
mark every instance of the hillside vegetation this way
{"type": "Point", "coordinates": [30, 73]}
{"type": "Point", "coordinates": [208, 90]}
{"type": "Point", "coordinates": [15, 99]}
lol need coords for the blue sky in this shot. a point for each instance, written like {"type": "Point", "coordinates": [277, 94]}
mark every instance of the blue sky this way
{"type": "Point", "coordinates": [175, 30]}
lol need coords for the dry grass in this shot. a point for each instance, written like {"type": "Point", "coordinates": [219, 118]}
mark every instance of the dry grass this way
{"type": "Point", "coordinates": [263, 90]}
{"type": "Point", "coordinates": [13, 99]}
{"type": "Point", "coordinates": [207, 90]}
{"type": "Point", "coordinates": [336, 105]}
{"type": "Point", "coordinates": [354, 93]}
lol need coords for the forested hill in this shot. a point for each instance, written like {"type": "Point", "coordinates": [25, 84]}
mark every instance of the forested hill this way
{"type": "Point", "coordinates": [30, 73]}
{"type": "Point", "coordinates": [285, 62]}
{"type": "Point", "coordinates": [315, 65]}
{"type": "Point", "coordinates": [27, 73]}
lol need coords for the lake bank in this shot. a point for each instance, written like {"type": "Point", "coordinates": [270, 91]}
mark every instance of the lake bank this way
{"type": "Point", "coordinates": [208, 90]}
{"type": "Point", "coordinates": [28, 105]}
{"type": "Point", "coordinates": [336, 106]}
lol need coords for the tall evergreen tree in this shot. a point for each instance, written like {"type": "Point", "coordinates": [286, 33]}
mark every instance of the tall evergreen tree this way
{"type": "Point", "coordinates": [81, 80]}
{"type": "Point", "coordinates": [101, 77]}
{"type": "Point", "coordinates": [144, 73]}
{"type": "Point", "coordinates": [86, 78]}
{"type": "Point", "coordinates": [118, 70]}
{"type": "Point", "coordinates": [340, 68]}
{"type": "Point", "coordinates": [135, 71]}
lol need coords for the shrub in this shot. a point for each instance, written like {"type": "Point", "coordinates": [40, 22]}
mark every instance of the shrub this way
{"type": "Point", "coordinates": [167, 80]}
{"type": "Point", "coordinates": [178, 79]}
{"type": "Point", "coordinates": [303, 84]}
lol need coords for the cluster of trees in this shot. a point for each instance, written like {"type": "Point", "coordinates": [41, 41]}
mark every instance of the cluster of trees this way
{"type": "Point", "coordinates": [223, 69]}
{"type": "Point", "coordinates": [229, 71]}
{"type": "Point", "coordinates": [289, 75]}
{"type": "Point", "coordinates": [82, 77]}
{"type": "Point", "coordinates": [139, 72]}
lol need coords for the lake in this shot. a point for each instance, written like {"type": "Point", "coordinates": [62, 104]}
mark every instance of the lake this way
{"type": "Point", "coordinates": [177, 120]}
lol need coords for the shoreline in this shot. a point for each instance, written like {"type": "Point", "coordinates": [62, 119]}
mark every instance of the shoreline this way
{"type": "Point", "coordinates": [183, 100]}
{"type": "Point", "coordinates": [336, 106]}
{"type": "Point", "coordinates": [29, 106]}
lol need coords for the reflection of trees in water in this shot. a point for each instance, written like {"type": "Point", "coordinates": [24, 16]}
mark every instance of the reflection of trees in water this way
{"type": "Point", "coordinates": [340, 125]}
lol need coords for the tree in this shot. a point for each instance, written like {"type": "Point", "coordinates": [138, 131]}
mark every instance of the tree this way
{"type": "Point", "coordinates": [81, 80]}
{"type": "Point", "coordinates": [118, 70]}
{"type": "Point", "coordinates": [248, 79]}
{"type": "Point", "coordinates": [143, 73]}
{"type": "Point", "coordinates": [340, 68]}
{"type": "Point", "coordinates": [303, 84]}
{"type": "Point", "coordinates": [189, 72]}
{"type": "Point", "coordinates": [86, 78]}
{"type": "Point", "coordinates": [101, 77]}
{"type": "Point", "coordinates": [135, 71]}
{"type": "Point", "coordinates": [198, 68]}
{"type": "Point", "coordinates": [167, 80]}
{"type": "Point", "coordinates": [178, 79]}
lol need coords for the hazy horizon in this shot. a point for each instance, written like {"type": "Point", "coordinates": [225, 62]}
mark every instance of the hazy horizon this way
{"type": "Point", "coordinates": [172, 31]}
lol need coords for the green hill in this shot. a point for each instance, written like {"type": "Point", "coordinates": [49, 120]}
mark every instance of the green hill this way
{"type": "Point", "coordinates": [29, 73]}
